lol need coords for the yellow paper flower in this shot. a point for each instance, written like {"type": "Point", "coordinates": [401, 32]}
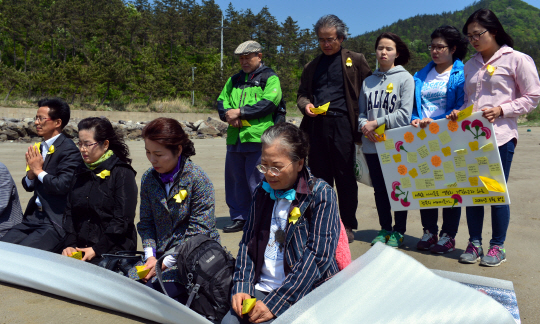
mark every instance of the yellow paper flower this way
{"type": "Point", "coordinates": [473, 146]}
{"type": "Point", "coordinates": [180, 196]}
{"type": "Point", "coordinates": [103, 174]}
{"type": "Point", "coordinates": [295, 214]}
{"type": "Point", "coordinates": [76, 255]}
{"type": "Point", "coordinates": [390, 88]}
{"type": "Point", "coordinates": [348, 62]}
{"type": "Point", "coordinates": [491, 69]}
{"type": "Point", "coordinates": [421, 134]}
{"type": "Point", "coordinates": [36, 145]}
{"type": "Point", "coordinates": [51, 150]}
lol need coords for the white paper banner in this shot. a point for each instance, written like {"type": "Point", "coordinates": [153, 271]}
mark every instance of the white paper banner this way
{"type": "Point", "coordinates": [445, 164]}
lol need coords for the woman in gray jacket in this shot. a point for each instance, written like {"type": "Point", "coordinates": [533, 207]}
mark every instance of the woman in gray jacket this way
{"type": "Point", "coordinates": [387, 97]}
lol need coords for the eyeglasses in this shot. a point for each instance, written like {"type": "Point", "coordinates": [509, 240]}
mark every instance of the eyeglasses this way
{"type": "Point", "coordinates": [327, 40]}
{"type": "Point", "coordinates": [273, 170]}
{"type": "Point", "coordinates": [41, 119]}
{"type": "Point", "coordinates": [436, 48]}
{"type": "Point", "coordinates": [86, 146]}
{"type": "Point", "coordinates": [475, 37]}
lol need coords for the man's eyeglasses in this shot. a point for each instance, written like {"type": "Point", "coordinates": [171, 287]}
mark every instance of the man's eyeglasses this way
{"type": "Point", "coordinates": [41, 119]}
{"type": "Point", "coordinates": [86, 146]}
{"type": "Point", "coordinates": [475, 37]}
{"type": "Point", "coordinates": [436, 48]}
{"type": "Point", "coordinates": [327, 40]}
{"type": "Point", "coordinates": [273, 170]}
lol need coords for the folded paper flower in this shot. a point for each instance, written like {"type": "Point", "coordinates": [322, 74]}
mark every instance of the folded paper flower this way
{"type": "Point", "coordinates": [492, 184]}
{"type": "Point", "coordinates": [180, 196]}
{"type": "Point", "coordinates": [390, 88]}
{"type": "Point", "coordinates": [36, 145]}
{"type": "Point", "coordinates": [245, 123]}
{"type": "Point", "coordinates": [141, 271]}
{"type": "Point", "coordinates": [321, 109]}
{"type": "Point", "coordinates": [348, 62]}
{"type": "Point", "coordinates": [51, 150]}
{"type": "Point", "coordinates": [103, 174]}
{"type": "Point", "coordinates": [76, 255]}
{"type": "Point", "coordinates": [248, 304]}
{"type": "Point", "coordinates": [491, 69]}
{"type": "Point", "coordinates": [295, 214]}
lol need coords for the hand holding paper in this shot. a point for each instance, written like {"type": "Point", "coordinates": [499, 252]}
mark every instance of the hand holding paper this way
{"type": "Point", "coordinates": [321, 109]}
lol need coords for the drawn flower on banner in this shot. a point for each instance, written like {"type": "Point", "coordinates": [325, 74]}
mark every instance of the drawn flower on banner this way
{"type": "Point", "coordinates": [479, 128]}
{"type": "Point", "coordinates": [457, 199]}
{"type": "Point", "coordinates": [421, 134]}
{"type": "Point", "coordinates": [399, 146]}
{"type": "Point", "coordinates": [436, 161]}
{"type": "Point", "coordinates": [397, 192]}
{"type": "Point", "coordinates": [409, 137]}
{"type": "Point", "coordinates": [434, 128]}
{"type": "Point", "coordinates": [453, 126]}
{"type": "Point", "coordinates": [401, 169]}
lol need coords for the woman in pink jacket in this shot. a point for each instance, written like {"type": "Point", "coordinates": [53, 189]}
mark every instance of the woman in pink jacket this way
{"type": "Point", "coordinates": [504, 84]}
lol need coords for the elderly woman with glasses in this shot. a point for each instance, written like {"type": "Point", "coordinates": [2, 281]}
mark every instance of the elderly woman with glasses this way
{"type": "Point", "coordinates": [291, 236]}
{"type": "Point", "coordinates": [100, 211]}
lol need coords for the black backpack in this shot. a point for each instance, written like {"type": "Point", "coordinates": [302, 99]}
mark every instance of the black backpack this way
{"type": "Point", "coordinates": [205, 269]}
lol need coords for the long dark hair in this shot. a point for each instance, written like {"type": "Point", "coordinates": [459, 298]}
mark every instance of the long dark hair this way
{"type": "Point", "coordinates": [103, 130]}
{"type": "Point", "coordinates": [401, 48]}
{"type": "Point", "coordinates": [489, 21]}
{"type": "Point", "coordinates": [453, 38]}
{"type": "Point", "coordinates": [169, 132]}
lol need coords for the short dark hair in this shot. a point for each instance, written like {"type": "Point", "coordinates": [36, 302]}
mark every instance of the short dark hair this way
{"type": "Point", "coordinates": [489, 21]}
{"type": "Point", "coordinates": [103, 130]}
{"type": "Point", "coordinates": [401, 47]}
{"type": "Point", "coordinates": [169, 132]}
{"type": "Point", "coordinates": [329, 21]}
{"type": "Point", "coordinates": [58, 109]}
{"type": "Point", "coordinates": [292, 138]}
{"type": "Point", "coordinates": [453, 38]}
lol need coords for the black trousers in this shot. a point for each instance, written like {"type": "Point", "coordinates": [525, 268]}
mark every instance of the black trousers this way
{"type": "Point", "coordinates": [36, 231]}
{"type": "Point", "coordinates": [331, 158]}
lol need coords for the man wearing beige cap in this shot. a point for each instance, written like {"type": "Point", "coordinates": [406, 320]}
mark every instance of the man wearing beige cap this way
{"type": "Point", "coordinates": [248, 103]}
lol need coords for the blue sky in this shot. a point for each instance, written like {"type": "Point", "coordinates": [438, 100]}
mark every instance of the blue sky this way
{"type": "Point", "coordinates": [360, 15]}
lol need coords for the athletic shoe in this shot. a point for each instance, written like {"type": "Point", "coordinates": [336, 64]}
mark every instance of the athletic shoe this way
{"type": "Point", "coordinates": [395, 240]}
{"type": "Point", "coordinates": [428, 240]}
{"type": "Point", "coordinates": [495, 256]}
{"type": "Point", "coordinates": [473, 253]}
{"type": "Point", "coordinates": [446, 244]}
{"type": "Point", "coordinates": [381, 237]}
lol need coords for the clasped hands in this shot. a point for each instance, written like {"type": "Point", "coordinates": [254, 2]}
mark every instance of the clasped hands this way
{"type": "Point", "coordinates": [34, 161]}
{"type": "Point", "coordinates": [259, 314]}
{"type": "Point", "coordinates": [89, 252]}
{"type": "Point", "coordinates": [369, 130]}
{"type": "Point", "coordinates": [233, 117]}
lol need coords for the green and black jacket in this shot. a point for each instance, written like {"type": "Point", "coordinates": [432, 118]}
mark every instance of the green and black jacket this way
{"type": "Point", "coordinates": [257, 95]}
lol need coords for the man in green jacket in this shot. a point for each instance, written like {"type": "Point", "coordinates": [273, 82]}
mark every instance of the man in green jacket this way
{"type": "Point", "coordinates": [248, 102]}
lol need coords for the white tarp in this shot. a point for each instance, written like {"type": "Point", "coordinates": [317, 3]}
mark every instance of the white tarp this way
{"type": "Point", "coordinates": [387, 286]}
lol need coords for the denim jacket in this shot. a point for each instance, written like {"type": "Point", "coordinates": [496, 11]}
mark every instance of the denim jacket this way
{"type": "Point", "coordinates": [455, 92]}
{"type": "Point", "coordinates": [310, 244]}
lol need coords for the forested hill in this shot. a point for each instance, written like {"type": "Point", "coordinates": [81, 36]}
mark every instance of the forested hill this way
{"type": "Point", "coordinates": [520, 20]}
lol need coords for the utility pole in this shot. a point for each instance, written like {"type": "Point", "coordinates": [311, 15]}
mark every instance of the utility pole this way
{"type": "Point", "coordinates": [376, 62]}
{"type": "Point", "coordinates": [222, 43]}
{"type": "Point", "coordinates": [193, 91]}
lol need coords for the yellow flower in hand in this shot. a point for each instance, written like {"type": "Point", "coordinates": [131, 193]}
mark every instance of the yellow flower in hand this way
{"type": "Point", "coordinates": [295, 214]}
{"type": "Point", "coordinates": [51, 150]}
{"type": "Point", "coordinates": [181, 195]}
{"type": "Point", "coordinates": [104, 173]}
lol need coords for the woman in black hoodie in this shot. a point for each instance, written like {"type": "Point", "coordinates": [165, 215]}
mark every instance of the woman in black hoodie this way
{"type": "Point", "coordinates": [100, 213]}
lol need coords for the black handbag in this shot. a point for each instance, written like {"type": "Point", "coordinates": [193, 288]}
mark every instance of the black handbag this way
{"type": "Point", "coordinates": [121, 261]}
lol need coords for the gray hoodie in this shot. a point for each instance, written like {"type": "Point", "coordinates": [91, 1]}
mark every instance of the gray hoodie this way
{"type": "Point", "coordinates": [391, 108]}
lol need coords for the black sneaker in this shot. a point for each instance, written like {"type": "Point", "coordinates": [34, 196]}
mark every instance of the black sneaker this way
{"type": "Point", "coordinates": [236, 226]}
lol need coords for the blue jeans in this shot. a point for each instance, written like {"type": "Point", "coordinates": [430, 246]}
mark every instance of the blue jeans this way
{"type": "Point", "coordinates": [500, 214]}
{"type": "Point", "coordinates": [450, 223]}
{"type": "Point", "coordinates": [381, 198]}
{"type": "Point", "coordinates": [232, 318]}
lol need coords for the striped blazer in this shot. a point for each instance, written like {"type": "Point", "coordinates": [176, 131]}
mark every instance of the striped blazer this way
{"type": "Point", "coordinates": [310, 244]}
{"type": "Point", "coordinates": [10, 206]}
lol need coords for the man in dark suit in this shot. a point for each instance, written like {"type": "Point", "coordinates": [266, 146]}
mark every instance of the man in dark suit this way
{"type": "Point", "coordinates": [335, 78]}
{"type": "Point", "coordinates": [49, 174]}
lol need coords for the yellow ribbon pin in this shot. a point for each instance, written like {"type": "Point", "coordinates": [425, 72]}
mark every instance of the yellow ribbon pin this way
{"type": "Point", "coordinates": [51, 150]}
{"type": "Point", "coordinates": [491, 69]}
{"type": "Point", "coordinates": [104, 173]}
{"type": "Point", "coordinates": [180, 196]}
{"type": "Point", "coordinates": [295, 214]}
{"type": "Point", "coordinates": [390, 88]}
{"type": "Point", "coordinates": [348, 62]}
{"type": "Point", "coordinates": [36, 145]}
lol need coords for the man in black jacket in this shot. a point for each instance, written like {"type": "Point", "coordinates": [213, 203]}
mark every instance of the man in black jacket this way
{"type": "Point", "coordinates": [49, 175]}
